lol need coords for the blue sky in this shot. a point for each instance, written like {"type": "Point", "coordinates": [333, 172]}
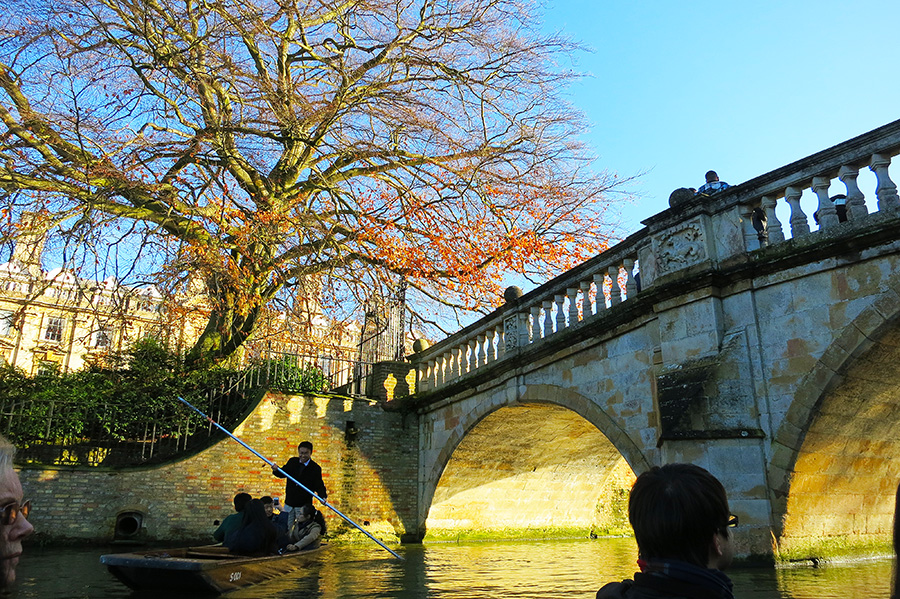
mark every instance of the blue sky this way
{"type": "Point", "coordinates": [678, 88]}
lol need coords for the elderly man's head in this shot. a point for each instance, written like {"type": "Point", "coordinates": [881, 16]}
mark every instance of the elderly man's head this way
{"type": "Point", "coordinates": [14, 525]}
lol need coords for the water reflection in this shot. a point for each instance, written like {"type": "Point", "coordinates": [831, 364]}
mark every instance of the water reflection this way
{"type": "Point", "coordinates": [864, 579]}
{"type": "Point", "coordinates": [540, 570]}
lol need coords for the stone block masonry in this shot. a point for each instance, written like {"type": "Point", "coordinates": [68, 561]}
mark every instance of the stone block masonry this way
{"type": "Point", "coordinates": [368, 457]}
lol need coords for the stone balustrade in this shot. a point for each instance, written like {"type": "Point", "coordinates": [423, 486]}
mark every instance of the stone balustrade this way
{"type": "Point", "coordinates": [696, 232]}
{"type": "Point", "coordinates": [581, 294]}
{"type": "Point", "coordinates": [830, 177]}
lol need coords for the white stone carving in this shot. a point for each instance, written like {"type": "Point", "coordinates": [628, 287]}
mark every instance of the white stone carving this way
{"type": "Point", "coordinates": [510, 332]}
{"type": "Point", "coordinates": [681, 248]}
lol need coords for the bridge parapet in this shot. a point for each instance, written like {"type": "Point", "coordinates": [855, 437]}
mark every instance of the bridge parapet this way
{"type": "Point", "coordinates": [700, 233]}
{"type": "Point", "coordinates": [580, 294]}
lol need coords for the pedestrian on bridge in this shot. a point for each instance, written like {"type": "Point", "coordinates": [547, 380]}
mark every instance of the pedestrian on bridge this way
{"type": "Point", "coordinates": [712, 184]}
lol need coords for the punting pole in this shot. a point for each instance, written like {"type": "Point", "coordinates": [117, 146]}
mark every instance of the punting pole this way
{"type": "Point", "coordinates": [294, 480]}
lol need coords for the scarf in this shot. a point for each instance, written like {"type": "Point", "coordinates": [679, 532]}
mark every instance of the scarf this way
{"type": "Point", "coordinates": [683, 579]}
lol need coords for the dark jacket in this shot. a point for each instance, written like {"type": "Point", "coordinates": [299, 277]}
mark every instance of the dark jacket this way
{"type": "Point", "coordinates": [310, 476]}
{"type": "Point", "coordinates": [678, 580]}
{"type": "Point", "coordinates": [255, 539]}
{"type": "Point", "coordinates": [228, 525]}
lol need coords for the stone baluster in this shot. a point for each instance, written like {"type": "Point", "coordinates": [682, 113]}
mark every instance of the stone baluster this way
{"type": "Point", "coordinates": [615, 292]}
{"type": "Point", "coordinates": [429, 381]}
{"type": "Point", "coordinates": [751, 238]}
{"type": "Point", "coordinates": [463, 358]}
{"type": "Point", "coordinates": [422, 381]}
{"type": "Point", "coordinates": [433, 372]}
{"type": "Point", "coordinates": [487, 347]}
{"type": "Point", "coordinates": [501, 342]}
{"type": "Point", "coordinates": [448, 367]}
{"type": "Point", "coordinates": [572, 295]}
{"type": "Point", "coordinates": [599, 299]}
{"type": "Point", "coordinates": [436, 376]}
{"type": "Point", "coordinates": [440, 363]}
{"type": "Point", "coordinates": [524, 329]}
{"type": "Point", "coordinates": [856, 201]}
{"type": "Point", "coordinates": [535, 322]}
{"type": "Point", "coordinates": [585, 299]}
{"type": "Point", "coordinates": [885, 190]}
{"type": "Point", "coordinates": [454, 363]}
{"type": "Point", "coordinates": [630, 282]}
{"type": "Point", "coordinates": [799, 222]}
{"type": "Point", "coordinates": [826, 212]}
{"type": "Point", "coordinates": [476, 347]}
{"type": "Point", "coordinates": [560, 301]}
{"type": "Point", "coordinates": [547, 305]}
{"type": "Point", "coordinates": [774, 232]}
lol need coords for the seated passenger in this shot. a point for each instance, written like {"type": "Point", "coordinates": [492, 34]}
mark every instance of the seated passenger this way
{"type": "Point", "coordinates": [307, 526]}
{"type": "Point", "coordinates": [256, 536]}
{"type": "Point", "coordinates": [233, 521]}
{"type": "Point", "coordinates": [269, 505]}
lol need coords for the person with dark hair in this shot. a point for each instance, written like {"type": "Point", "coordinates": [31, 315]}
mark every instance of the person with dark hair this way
{"type": "Point", "coordinates": [269, 505]}
{"type": "Point", "coordinates": [232, 522]}
{"type": "Point", "coordinates": [840, 206]}
{"type": "Point", "coordinates": [307, 527]}
{"type": "Point", "coordinates": [681, 522]}
{"type": "Point", "coordinates": [307, 472]}
{"type": "Point", "coordinates": [256, 535]}
{"type": "Point", "coordinates": [712, 184]}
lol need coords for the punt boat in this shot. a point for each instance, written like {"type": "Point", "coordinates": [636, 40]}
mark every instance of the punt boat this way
{"type": "Point", "coordinates": [207, 569]}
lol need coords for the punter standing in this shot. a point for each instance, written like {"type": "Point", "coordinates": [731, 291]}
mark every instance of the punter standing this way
{"type": "Point", "coordinates": [307, 472]}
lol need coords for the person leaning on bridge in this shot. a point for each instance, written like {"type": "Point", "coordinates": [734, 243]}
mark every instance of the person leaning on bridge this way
{"type": "Point", "coordinates": [14, 524]}
{"type": "Point", "coordinates": [306, 472]}
{"type": "Point", "coordinates": [712, 184]}
{"type": "Point", "coordinates": [681, 522]}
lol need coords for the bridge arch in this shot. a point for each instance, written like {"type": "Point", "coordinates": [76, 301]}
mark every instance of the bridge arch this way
{"type": "Point", "coordinates": [506, 461]}
{"type": "Point", "coordinates": [835, 461]}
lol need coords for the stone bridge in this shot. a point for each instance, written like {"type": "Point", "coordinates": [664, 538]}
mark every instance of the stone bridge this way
{"type": "Point", "coordinates": [768, 354]}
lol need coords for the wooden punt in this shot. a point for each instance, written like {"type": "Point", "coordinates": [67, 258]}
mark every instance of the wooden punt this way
{"type": "Point", "coordinates": [206, 569]}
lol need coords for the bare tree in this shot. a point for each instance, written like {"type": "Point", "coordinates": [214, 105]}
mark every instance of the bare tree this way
{"type": "Point", "coordinates": [256, 145]}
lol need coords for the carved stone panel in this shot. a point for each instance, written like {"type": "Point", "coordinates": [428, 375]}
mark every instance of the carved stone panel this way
{"type": "Point", "coordinates": [510, 332]}
{"type": "Point", "coordinates": [680, 247]}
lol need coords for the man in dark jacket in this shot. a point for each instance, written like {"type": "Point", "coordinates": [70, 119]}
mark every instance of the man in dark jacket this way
{"type": "Point", "coordinates": [307, 473]}
{"type": "Point", "coordinates": [681, 523]}
{"type": "Point", "coordinates": [233, 522]}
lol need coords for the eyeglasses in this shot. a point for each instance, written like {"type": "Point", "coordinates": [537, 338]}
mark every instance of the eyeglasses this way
{"type": "Point", "coordinates": [732, 521]}
{"type": "Point", "coordinates": [11, 511]}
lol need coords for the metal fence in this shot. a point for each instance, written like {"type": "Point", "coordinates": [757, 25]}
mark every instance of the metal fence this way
{"type": "Point", "coordinates": [78, 433]}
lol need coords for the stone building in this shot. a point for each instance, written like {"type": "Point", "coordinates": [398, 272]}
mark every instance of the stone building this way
{"type": "Point", "coordinates": [56, 320]}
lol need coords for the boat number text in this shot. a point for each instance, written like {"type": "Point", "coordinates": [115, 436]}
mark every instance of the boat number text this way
{"type": "Point", "coordinates": [235, 576]}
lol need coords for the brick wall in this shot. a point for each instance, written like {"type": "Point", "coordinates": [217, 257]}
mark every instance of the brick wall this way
{"type": "Point", "coordinates": [370, 475]}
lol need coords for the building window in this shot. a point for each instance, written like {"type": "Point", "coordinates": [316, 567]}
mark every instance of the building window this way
{"type": "Point", "coordinates": [55, 327]}
{"type": "Point", "coordinates": [103, 337]}
{"type": "Point", "coordinates": [6, 323]}
{"type": "Point", "coordinates": [47, 368]}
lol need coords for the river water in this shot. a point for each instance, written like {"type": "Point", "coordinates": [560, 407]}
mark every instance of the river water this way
{"type": "Point", "coordinates": [539, 570]}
